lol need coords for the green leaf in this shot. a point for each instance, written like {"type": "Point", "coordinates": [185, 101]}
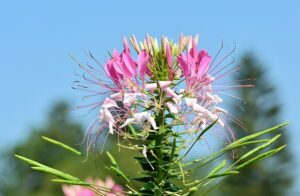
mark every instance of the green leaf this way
{"type": "Point", "coordinates": [115, 167]}
{"type": "Point", "coordinates": [70, 182]}
{"type": "Point", "coordinates": [193, 189]}
{"type": "Point", "coordinates": [55, 142]}
{"type": "Point", "coordinates": [173, 149]}
{"type": "Point", "coordinates": [131, 128]}
{"type": "Point", "coordinates": [31, 162]}
{"type": "Point", "coordinates": [170, 116]}
{"type": "Point", "coordinates": [120, 173]}
{"type": "Point", "coordinates": [55, 172]}
{"type": "Point", "coordinates": [218, 168]}
{"type": "Point", "coordinates": [237, 144]}
{"type": "Point", "coordinates": [43, 168]}
{"type": "Point", "coordinates": [261, 157]}
{"type": "Point", "coordinates": [255, 135]}
{"type": "Point", "coordinates": [143, 179]}
{"type": "Point", "coordinates": [223, 174]}
{"type": "Point", "coordinates": [259, 148]}
{"type": "Point", "coordinates": [112, 159]}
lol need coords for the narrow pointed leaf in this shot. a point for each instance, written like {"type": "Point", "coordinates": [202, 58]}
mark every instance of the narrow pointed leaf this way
{"type": "Point", "coordinates": [60, 144]}
{"type": "Point", "coordinates": [223, 174]}
{"type": "Point", "coordinates": [259, 148]}
{"type": "Point", "coordinates": [261, 157]}
{"type": "Point", "coordinates": [71, 182]}
{"type": "Point", "coordinates": [255, 135]}
{"type": "Point", "coordinates": [218, 168]}
{"type": "Point", "coordinates": [55, 172]}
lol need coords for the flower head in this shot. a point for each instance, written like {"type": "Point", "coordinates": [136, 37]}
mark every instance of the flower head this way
{"type": "Point", "coordinates": [144, 85]}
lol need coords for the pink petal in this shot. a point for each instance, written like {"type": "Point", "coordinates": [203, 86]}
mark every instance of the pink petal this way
{"type": "Point", "coordinates": [126, 47]}
{"type": "Point", "coordinates": [143, 60]}
{"type": "Point", "coordinates": [193, 52]}
{"type": "Point", "coordinates": [169, 60]}
{"type": "Point", "coordinates": [112, 73]}
{"type": "Point", "coordinates": [203, 60]}
{"type": "Point", "coordinates": [129, 66]}
{"type": "Point", "coordinates": [193, 69]}
{"type": "Point", "coordinates": [169, 55]}
{"type": "Point", "coordinates": [75, 190]}
{"type": "Point", "coordinates": [184, 66]}
{"type": "Point", "coordinates": [117, 189]}
{"type": "Point", "coordinates": [109, 182]}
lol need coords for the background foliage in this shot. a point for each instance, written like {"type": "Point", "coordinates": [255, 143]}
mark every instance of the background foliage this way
{"type": "Point", "coordinates": [20, 179]}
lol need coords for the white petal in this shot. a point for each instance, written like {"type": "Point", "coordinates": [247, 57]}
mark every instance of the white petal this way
{"type": "Point", "coordinates": [141, 116]}
{"type": "Point", "coordinates": [217, 99]}
{"type": "Point", "coordinates": [111, 130]}
{"type": "Point", "coordinates": [129, 98]}
{"type": "Point", "coordinates": [210, 78]}
{"type": "Point", "coordinates": [144, 151]}
{"type": "Point", "coordinates": [108, 116]}
{"type": "Point", "coordinates": [171, 93]}
{"type": "Point", "coordinates": [221, 123]}
{"type": "Point", "coordinates": [172, 108]}
{"type": "Point", "coordinates": [190, 101]}
{"type": "Point", "coordinates": [199, 108]}
{"type": "Point", "coordinates": [210, 96]}
{"type": "Point", "coordinates": [127, 122]}
{"type": "Point", "coordinates": [164, 84]}
{"type": "Point", "coordinates": [218, 109]}
{"type": "Point", "coordinates": [203, 125]}
{"type": "Point", "coordinates": [116, 96]}
{"type": "Point", "coordinates": [108, 103]}
{"type": "Point", "coordinates": [181, 90]}
{"type": "Point", "coordinates": [150, 87]}
{"type": "Point", "coordinates": [152, 121]}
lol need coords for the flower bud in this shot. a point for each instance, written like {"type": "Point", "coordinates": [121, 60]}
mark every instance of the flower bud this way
{"type": "Point", "coordinates": [134, 43]}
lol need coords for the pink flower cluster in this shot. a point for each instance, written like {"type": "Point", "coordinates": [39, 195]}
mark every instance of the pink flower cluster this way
{"type": "Point", "coordinates": [107, 187]}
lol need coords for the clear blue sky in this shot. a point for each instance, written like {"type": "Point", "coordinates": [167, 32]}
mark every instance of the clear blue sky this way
{"type": "Point", "coordinates": [37, 36]}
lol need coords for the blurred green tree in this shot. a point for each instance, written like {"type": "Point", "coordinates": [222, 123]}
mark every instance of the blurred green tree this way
{"type": "Point", "coordinates": [261, 110]}
{"type": "Point", "coordinates": [20, 179]}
